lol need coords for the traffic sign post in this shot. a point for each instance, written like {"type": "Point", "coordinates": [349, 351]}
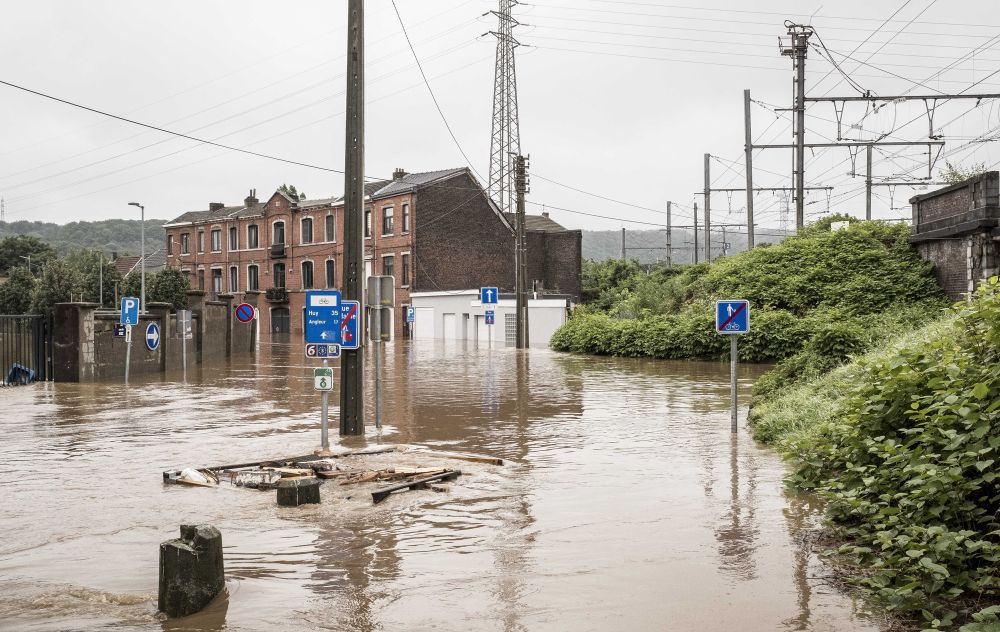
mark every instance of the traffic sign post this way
{"type": "Point", "coordinates": [323, 317]}
{"type": "Point", "coordinates": [322, 351]}
{"type": "Point", "coordinates": [119, 330]}
{"type": "Point", "coordinates": [349, 318]}
{"type": "Point", "coordinates": [732, 317]}
{"type": "Point", "coordinates": [490, 317]}
{"type": "Point", "coordinates": [323, 381]}
{"type": "Point", "coordinates": [183, 321]}
{"type": "Point", "coordinates": [488, 295]}
{"type": "Point", "coordinates": [152, 336]}
{"type": "Point", "coordinates": [245, 312]}
{"type": "Point", "coordinates": [129, 316]}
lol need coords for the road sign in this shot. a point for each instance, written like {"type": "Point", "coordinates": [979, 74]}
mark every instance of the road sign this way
{"type": "Point", "coordinates": [349, 318]}
{"type": "Point", "coordinates": [322, 351]}
{"type": "Point", "coordinates": [488, 295]}
{"type": "Point", "coordinates": [152, 336]}
{"type": "Point", "coordinates": [323, 316]}
{"type": "Point", "coordinates": [128, 337]}
{"type": "Point", "coordinates": [490, 317]}
{"type": "Point", "coordinates": [130, 311]}
{"type": "Point", "coordinates": [119, 330]}
{"type": "Point", "coordinates": [323, 378]}
{"type": "Point", "coordinates": [245, 312]}
{"type": "Point", "coordinates": [732, 317]}
{"type": "Point", "coordinates": [184, 324]}
{"type": "Point", "coordinates": [411, 314]}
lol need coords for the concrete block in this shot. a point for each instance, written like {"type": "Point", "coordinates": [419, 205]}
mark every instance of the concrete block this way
{"type": "Point", "coordinates": [191, 570]}
{"type": "Point", "coordinates": [298, 491]}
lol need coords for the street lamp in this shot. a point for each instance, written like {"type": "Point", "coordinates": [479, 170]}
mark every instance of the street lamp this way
{"type": "Point", "coordinates": [142, 254]}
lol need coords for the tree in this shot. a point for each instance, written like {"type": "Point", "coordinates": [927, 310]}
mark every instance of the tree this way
{"type": "Point", "coordinates": [15, 294]}
{"type": "Point", "coordinates": [91, 265]}
{"type": "Point", "coordinates": [290, 191]}
{"type": "Point", "coordinates": [16, 248]}
{"type": "Point", "coordinates": [953, 174]}
{"type": "Point", "coordinates": [169, 285]}
{"type": "Point", "coordinates": [58, 283]}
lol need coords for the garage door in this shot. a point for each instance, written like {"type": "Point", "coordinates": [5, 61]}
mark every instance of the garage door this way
{"type": "Point", "coordinates": [423, 323]}
{"type": "Point", "coordinates": [448, 325]}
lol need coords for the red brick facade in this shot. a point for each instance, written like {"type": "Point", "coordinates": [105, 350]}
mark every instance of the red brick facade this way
{"type": "Point", "coordinates": [443, 217]}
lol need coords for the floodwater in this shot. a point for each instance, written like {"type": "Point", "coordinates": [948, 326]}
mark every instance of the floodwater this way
{"type": "Point", "coordinates": [625, 503]}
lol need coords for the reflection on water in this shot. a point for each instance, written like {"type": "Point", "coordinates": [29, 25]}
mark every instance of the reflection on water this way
{"type": "Point", "coordinates": [626, 503]}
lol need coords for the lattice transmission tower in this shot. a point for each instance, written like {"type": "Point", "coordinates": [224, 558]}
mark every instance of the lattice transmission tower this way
{"type": "Point", "coordinates": [506, 141]}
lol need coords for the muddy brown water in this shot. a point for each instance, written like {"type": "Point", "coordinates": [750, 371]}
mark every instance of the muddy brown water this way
{"type": "Point", "coordinates": [625, 504]}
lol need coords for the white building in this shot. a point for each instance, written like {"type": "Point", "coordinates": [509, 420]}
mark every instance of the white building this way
{"type": "Point", "coordinates": [459, 315]}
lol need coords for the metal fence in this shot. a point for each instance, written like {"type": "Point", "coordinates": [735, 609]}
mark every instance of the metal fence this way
{"type": "Point", "coordinates": [25, 340]}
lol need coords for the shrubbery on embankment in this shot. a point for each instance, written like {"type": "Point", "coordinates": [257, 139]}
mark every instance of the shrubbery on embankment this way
{"type": "Point", "coordinates": [904, 445]}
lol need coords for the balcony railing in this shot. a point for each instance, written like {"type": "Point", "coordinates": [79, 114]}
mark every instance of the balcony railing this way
{"type": "Point", "coordinates": [276, 295]}
{"type": "Point", "coordinates": [278, 251]}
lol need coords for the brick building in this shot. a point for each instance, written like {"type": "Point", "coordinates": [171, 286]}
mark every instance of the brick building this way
{"type": "Point", "coordinates": [957, 228]}
{"type": "Point", "coordinates": [432, 231]}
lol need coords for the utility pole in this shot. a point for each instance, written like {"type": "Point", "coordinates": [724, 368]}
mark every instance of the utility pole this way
{"type": "Point", "coordinates": [505, 141]}
{"type": "Point", "coordinates": [623, 244]}
{"type": "Point", "coordinates": [352, 403]}
{"type": "Point", "coordinates": [797, 51]}
{"type": "Point", "coordinates": [670, 246]}
{"type": "Point", "coordinates": [696, 232]}
{"type": "Point", "coordinates": [748, 148]}
{"type": "Point", "coordinates": [868, 182]}
{"type": "Point", "coordinates": [3, 211]}
{"type": "Point", "coordinates": [521, 187]}
{"type": "Point", "coordinates": [708, 209]}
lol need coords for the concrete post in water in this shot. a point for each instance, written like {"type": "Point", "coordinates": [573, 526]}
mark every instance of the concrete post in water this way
{"type": "Point", "coordinates": [191, 570]}
{"type": "Point", "coordinates": [733, 364]}
{"type": "Point", "coordinates": [299, 491]}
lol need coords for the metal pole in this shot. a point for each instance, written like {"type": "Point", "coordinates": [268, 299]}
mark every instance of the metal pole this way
{"type": "Point", "coordinates": [670, 246]}
{"type": "Point", "coordinates": [733, 362]}
{"type": "Point", "coordinates": [128, 350]}
{"type": "Point", "coordinates": [184, 352]}
{"type": "Point", "coordinates": [748, 148]}
{"type": "Point", "coordinates": [352, 405]}
{"type": "Point", "coordinates": [520, 183]}
{"type": "Point", "coordinates": [800, 42]}
{"type": "Point", "coordinates": [142, 256]}
{"type": "Point", "coordinates": [378, 383]}
{"type": "Point", "coordinates": [708, 209]}
{"type": "Point", "coordinates": [100, 279]}
{"type": "Point", "coordinates": [696, 232]}
{"type": "Point", "coordinates": [324, 428]}
{"type": "Point", "coordinates": [624, 256]}
{"type": "Point", "coordinates": [868, 182]}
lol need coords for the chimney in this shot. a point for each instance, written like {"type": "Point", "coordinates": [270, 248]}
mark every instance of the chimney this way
{"type": "Point", "coordinates": [545, 213]}
{"type": "Point", "coordinates": [216, 206]}
{"type": "Point", "coordinates": [251, 199]}
{"type": "Point", "coordinates": [398, 174]}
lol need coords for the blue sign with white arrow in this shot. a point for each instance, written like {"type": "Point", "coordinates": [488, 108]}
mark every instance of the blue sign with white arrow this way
{"type": "Point", "coordinates": [732, 317]}
{"type": "Point", "coordinates": [323, 317]}
{"type": "Point", "coordinates": [130, 311]}
{"type": "Point", "coordinates": [152, 336]}
{"type": "Point", "coordinates": [488, 295]}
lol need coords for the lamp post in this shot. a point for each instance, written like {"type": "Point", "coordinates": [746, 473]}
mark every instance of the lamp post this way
{"type": "Point", "coordinates": [142, 255]}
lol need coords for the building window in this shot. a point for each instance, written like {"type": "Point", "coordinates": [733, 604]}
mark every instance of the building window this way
{"type": "Point", "coordinates": [201, 241]}
{"type": "Point", "coordinates": [253, 278]}
{"type": "Point", "coordinates": [279, 275]}
{"type": "Point", "coordinates": [217, 240]}
{"type": "Point", "coordinates": [234, 239]}
{"type": "Point", "coordinates": [331, 273]}
{"type": "Point", "coordinates": [306, 234]}
{"type": "Point", "coordinates": [201, 279]}
{"type": "Point", "coordinates": [331, 235]}
{"type": "Point", "coordinates": [404, 263]}
{"type": "Point", "coordinates": [185, 243]}
{"type": "Point", "coordinates": [387, 220]}
{"type": "Point", "coordinates": [387, 265]}
{"type": "Point", "coordinates": [368, 222]}
{"type": "Point", "coordinates": [406, 218]}
{"type": "Point", "coordinates": [279, 233]}
{"type": "Point", "coordinates": [307, 275]}
{"type": "Point", "coordinates": [252, 239]}
{"type": "Point", "coordinates": [234, 279]}
{"type": "Point", "coordinates": [216, 282]}
{"type": "Point", "coordinates": [170, 244]}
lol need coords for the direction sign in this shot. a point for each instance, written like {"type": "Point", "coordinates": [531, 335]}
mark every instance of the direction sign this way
{"type": "Point", "coordinates": [488, 295]}
{"type": "Point", "coordinates": [130, 311]}
{"type": "Point", "coordinates": [323, 316]}
{"type": "Point", "coordinates": [323, 378]}
{"type": "Point", "coordinates": [322, 351]}
{"type": "Point", "coordinates": [732, 317]}
{"type": "Point", "coordinates": [152, 336]}
{"type": "Point", "coordinates": [490, 317]}
{"type": "Point", "coordinates": [245, 312]}
{"type": "Point", "coordinates": [119, 330]}
{"type": "Point", "coordinates": [411, 314]}
{"type": "Point", "coordinates": [349, 317]}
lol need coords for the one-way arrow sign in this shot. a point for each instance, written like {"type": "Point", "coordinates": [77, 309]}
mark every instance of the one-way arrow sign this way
{"type": "Point", "coordinates": [152, 336]}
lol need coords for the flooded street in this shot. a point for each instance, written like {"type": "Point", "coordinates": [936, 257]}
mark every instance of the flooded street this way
{"type": "Point", "coordinates": [625, 503]}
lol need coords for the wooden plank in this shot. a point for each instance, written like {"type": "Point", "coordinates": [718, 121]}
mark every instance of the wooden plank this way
{"type": "Point", "coordinates": [381, 494]}
{"type": "Point", "coordinates": [472, 458]}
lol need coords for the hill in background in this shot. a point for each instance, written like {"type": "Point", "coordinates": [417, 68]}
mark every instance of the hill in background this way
{"type": "Point", "coordinates": [122, 236]}
{"type": "Point", "coordinates": [649, 246]}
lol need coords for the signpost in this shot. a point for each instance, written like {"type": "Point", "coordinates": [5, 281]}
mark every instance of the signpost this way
{"type": "Point", "coordinates": [129, 317]}
{"type": "Point", "coordinates": [152, 336]}
{"type": "Point", "coordinates": [490, 317]}
{"type": "Point", "coordinates": [411, 314]}
{"type": "Point", "coordinates": [184, 332]}
{"type": "Point", "coordinates": [119, 330]}
{"type": "Point", "coordinates": [245, 312]}
{"type": "Point", "coordinates": [349, 313]}
{"type": "Point", "coordinates": [489, 296]}
{"type": "Point", "coordinates": [381, 298]}
{"type": "Point", "coordinates": [732, 318]}
{"type": "Point", "coordinates": [322, 351]}
{"type": "Point", "coordinates": [322, 334]}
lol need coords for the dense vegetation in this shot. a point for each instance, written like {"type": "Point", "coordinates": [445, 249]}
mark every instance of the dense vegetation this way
{"type": "Point", "coordinates": [112, 235]}
{"type": "Point", "coordinates": [822, 296]}
{"type": "Point", "coordinates": [904, 444]}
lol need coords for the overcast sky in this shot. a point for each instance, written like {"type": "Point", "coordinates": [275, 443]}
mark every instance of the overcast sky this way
{"type": "Point", "coordinates": [617, 99]}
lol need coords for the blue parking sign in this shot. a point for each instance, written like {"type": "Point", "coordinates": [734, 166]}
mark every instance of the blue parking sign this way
{"type": "Point", "coordinates": [130, 311]}
{"type": "Point", "coordinates": [732, 317]}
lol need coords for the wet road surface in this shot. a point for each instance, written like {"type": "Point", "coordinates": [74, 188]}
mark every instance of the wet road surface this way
{"type": "Point", "coordinates": [625, 503]}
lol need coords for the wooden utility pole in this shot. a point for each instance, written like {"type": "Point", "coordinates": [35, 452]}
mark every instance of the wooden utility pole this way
{"type": "Point", "coordinates": [868, 182]}
{"type": "Point", "coordinates": [670, 245]}
{"type": "Point", "coordinates": [748, 148]}
{"type": "Point", "coordinates": [521, 304]}
{"type": "Point", "coordinates": [696, 232]}
{"type": "Point", "coordinates": [352, 402]}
